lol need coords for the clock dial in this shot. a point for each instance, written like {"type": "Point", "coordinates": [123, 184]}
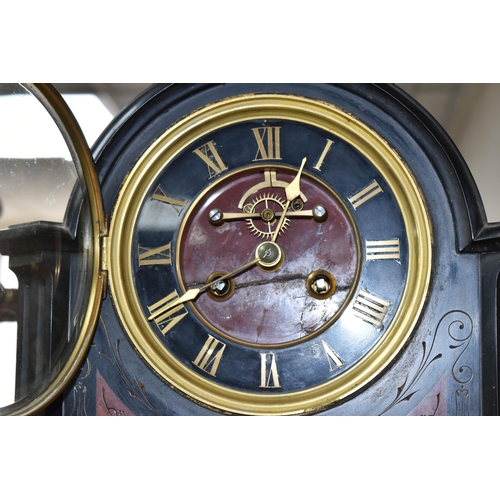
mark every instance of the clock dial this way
{"type": "Point", "coordinates": [269, 255]}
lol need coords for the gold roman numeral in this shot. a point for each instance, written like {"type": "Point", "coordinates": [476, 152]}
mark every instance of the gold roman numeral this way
{"type": "Point", "coordinates": [209, 357]}
{"type": "Point", "coordinates": [323, 154]}
{"type": "Point", "coordinates": [155, 256]}
{"type": "Point", "coordinates": [269, 371]}
{"type": "Point", "coordinates": [370, 308]}
{"type": "Point", "coordinates": [365, 194]}
{"type": "Point", "coordinates": [268, 143]}
{"type": "Point", "coordinates": [160, 195]}
{"type": "Point", "coordinates": [209, 154]}
{"type": "Point", "coordinates": [383, 249]}
{"type": "Point", "coordinates": [168, 320]}
{"type": "Point", "coordinates": [333, 358]}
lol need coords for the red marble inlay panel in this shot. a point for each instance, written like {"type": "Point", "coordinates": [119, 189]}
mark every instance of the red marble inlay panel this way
{"type": "Point", "coordinates": [434, 404]}
{"type": "Point", "coordinates": [107, 402]}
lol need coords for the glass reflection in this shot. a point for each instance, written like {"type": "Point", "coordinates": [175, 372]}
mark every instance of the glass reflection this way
{"type": "Point", "coordinates": [35, 162]}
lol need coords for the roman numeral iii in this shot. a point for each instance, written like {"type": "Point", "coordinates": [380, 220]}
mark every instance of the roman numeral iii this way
{"type": "Point", "coordinates": [383, 249]}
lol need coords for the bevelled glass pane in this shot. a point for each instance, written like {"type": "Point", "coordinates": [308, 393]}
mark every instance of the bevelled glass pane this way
{"type": "Point", "coordinates": [45, 248]}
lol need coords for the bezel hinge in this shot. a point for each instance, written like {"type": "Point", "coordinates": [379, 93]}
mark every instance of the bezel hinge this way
{"type": "Point", "coordinates": [104, 237]}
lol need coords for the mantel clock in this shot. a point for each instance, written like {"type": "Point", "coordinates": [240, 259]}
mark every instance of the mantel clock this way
{"type": "Point", "coordinates": [258, 249]}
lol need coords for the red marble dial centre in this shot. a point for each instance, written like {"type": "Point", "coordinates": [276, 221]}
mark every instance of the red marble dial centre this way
{"type": "Point", "coordinates": [311, 269]}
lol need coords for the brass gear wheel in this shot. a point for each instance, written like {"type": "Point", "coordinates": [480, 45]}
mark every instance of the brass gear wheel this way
{"type": "Point", "coordinates": [267, 205]}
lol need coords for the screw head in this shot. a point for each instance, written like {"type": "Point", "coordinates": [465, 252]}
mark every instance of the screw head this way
{"type": "Point", "coordinates": [320, 213]}
{"type": "Point", "coordinates": [215, 216]}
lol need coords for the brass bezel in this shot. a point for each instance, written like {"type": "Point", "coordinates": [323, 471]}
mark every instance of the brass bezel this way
{"type": "Point", "coordinates": [270, 106]}
{"type": "Point", "coordinates": [84, 165]}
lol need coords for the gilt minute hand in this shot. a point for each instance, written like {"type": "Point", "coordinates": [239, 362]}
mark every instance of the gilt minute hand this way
{"type": "Point", "coordinates": [192, 293]}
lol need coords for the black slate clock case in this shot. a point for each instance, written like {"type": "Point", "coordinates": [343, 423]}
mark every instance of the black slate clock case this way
{"type": "Point", "coordinates": [450, 363]}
